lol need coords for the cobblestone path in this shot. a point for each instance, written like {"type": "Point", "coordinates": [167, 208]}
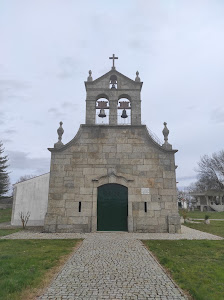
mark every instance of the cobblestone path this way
{"type": "Point", "coordinates": [112, 266]}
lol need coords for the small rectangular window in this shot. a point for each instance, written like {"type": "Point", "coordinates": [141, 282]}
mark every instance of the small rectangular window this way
{"type": "Point", "coordinates": [145, 206]}
{"type": "Point", "coordinates": [79, 206]}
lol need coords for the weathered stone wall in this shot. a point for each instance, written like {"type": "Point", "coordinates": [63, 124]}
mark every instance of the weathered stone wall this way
{"type": "Point", "coordinates": [125, 155]}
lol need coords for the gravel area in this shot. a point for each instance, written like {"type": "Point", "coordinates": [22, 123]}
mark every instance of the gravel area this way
{"type": "Point", "coordinates": [187, 234]}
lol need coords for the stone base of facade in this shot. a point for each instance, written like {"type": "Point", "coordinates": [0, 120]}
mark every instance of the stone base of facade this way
{"type": "Point", "coordinates": [142, 225]}
{"type": "Point", "coordinates": [54, 223]}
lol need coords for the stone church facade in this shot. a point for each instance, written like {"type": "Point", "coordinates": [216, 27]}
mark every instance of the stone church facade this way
{"type": "Point", "coordinates": [112, 175]}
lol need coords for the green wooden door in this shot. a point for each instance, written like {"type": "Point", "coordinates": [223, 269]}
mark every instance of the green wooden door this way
{"type": "Point", "coordinates": [112, 207]}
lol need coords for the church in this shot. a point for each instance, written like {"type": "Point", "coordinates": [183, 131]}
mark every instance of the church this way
{"type": "Point", "coordinates": [112, 176]}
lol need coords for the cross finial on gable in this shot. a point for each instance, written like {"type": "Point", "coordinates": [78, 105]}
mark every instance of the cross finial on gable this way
{"type": "Point", "coordinates": [113, 57]}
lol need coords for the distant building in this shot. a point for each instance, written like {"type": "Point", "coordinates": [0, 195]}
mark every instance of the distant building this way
{"type": "Point", "coordinates": [209, 200]}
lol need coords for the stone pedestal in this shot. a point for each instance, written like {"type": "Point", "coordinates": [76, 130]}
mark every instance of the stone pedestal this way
{"type": "Point", "coordinates": [174, 224]}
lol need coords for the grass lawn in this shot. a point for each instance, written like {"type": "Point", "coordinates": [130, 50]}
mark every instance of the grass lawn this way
{"type": "Point", "coordinates": [215, 227]}
{"type": "Point", "coordinates": [201, 214]}
{"type": "Point", "coordinates": [5, 215]}
{"type": "Point", "coordinates": [196, 266]}
{"type": "Point", "coordinates": [4, 232]}
{"type": "Point", "coordinates": [25, 262]}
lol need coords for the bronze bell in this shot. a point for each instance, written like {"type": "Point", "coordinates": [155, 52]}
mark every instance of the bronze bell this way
{"type": "Point", "coordinates": [124, 114]}
{"type": "Point", "coordinates": [102, 113]}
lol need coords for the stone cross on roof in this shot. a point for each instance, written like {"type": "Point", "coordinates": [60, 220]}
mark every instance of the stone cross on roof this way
{"type": "Point", "coordinates": [113, 57]}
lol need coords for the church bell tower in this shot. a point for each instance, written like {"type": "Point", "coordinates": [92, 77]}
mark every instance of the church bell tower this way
{"type": "Point", "coordinates": [113, 99]}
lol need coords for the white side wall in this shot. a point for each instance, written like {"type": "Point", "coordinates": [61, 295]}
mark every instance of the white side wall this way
{"type": "Point", "coordinates": [31, 196]}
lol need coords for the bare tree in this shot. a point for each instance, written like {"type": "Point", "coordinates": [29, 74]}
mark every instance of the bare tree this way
{"type": "Point", "coordinates": [210, 172]}
{"type": "Point", "coordinates": [24, 218]}
{"type": "Point", "coordinates": [24, 178]}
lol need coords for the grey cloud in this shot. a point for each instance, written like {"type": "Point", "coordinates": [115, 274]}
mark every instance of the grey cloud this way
{"type": "Point", "coordinates": [69, 105]}
{"type": "Point", "coordinates": [9, 84]}
{"type": "Point", "coordinates": [52, 110]}
{"type": "Point", "coordinates": [184, 178]}
{"type": "Point", "coordinates": [217, 115]}
{"type": "Point", "coordinates": [21, 160]}
{"type": "Point", "coordinates": [10, 131]}
{"type": "Point", "coordinates": [192, 107]}
{"type": "Point", "coordinates": [55, 112]}
{"type": "Point", "coordinates": [137, 44]}
{"type": "Point", "coordinates": [11, 88]}
{"type": "Point", "coordinates": [68, 68]}
{"type": "Point", "coordinates": [7, 141]}
{"type": "Point", "coordinates": [35, 122]}
{"type": "Point", "coordinates": [1, 118]}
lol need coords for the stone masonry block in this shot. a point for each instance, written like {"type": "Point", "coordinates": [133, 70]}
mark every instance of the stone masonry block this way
{"type": "Point", "coordinates": [174, 219]}
{"type": "Point", "coordinates": [60, 211]}
{"type": "Point", "coordinates": [170, 205]}
{"type": "Point", "coordinates": [172, 229]}
{"type": "Point", "coordinates": [169, 174]}
{"type": "Point", "coordinates": [124, 148]}
{"type": "Point", "coordinates": [50, 219]}
{"type": "Point", "coordinates": [57, 203]}
{"type": "Point", "coordinates": [169, 183]}
{"type": "Point", "coordinates": [168, 192]}
{"type": "Point", "coordinates": [154, 206]}
{"type": "Point", "coordinates": [109, 148]}
{"type": "Point", "coordinates": [86, 191]}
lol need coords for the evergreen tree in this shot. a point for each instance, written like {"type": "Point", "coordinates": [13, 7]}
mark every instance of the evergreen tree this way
{"type": "Point", "coordinates": [4, 176]}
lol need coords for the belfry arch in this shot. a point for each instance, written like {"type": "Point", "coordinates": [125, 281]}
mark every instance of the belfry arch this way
{"type": "Point", "coordinates": [124, 110]}
{"type": "Point", "coordinates": [102, 110]}
{"type": "Point", "coordinates": [113, 82]}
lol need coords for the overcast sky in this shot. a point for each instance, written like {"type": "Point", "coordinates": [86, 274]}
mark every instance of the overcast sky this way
{"type": "Point", "coordinates": [48, 47]}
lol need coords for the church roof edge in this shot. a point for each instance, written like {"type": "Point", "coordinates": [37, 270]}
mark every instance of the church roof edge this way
{"type": "Point", "coordinates": [76, 137]}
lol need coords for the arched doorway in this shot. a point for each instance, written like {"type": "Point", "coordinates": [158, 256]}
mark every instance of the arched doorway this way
{"type": "Point", "coordinates": [112, 207]}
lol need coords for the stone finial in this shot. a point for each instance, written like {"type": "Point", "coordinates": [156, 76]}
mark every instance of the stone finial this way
{"type": "Point", "coordinates": [137, 78]}
{"type": "Point", "coordinates": [60, 132]}
{"type": "Point", "coordinates": [90, 78]}
{"type": "Point", "coordinates": [166, 133]}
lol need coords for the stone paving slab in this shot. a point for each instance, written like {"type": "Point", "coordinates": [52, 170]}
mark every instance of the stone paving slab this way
{"type": "Point", "coordinates": [187, 234]}
{"type": "Point", "coordinates": [112, 266]}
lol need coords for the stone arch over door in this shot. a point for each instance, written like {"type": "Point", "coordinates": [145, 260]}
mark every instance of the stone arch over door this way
{"type": "Point", "coordinates": [112, 207]}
